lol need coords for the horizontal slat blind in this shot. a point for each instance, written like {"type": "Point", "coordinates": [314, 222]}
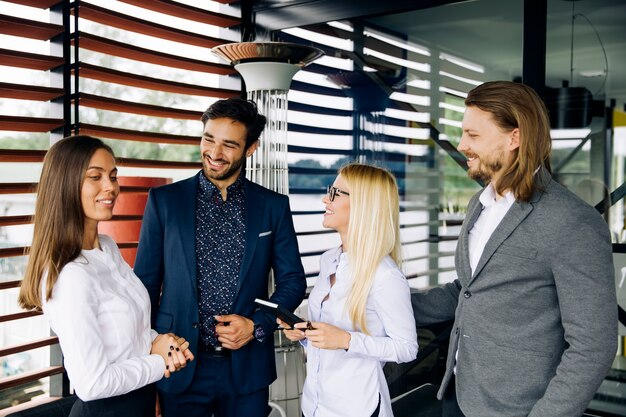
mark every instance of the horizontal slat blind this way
{"type": "Point", "coordinates": [137, 74]}
{"type": "Point", "coordinates": [405, 92]}
{"type": "Point", "coordinates": [320, 140]}
{"type": "Point", "coordinates": [27, 116]}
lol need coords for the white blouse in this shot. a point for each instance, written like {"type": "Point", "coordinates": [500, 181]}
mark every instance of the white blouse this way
{"type": "Point", "coordinates": [101, 313]}
{"type": "Point", "coordinates": [342, 383]}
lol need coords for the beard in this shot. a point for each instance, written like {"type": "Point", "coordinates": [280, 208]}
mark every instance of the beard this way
{"type": "Point", "coordinates": [232, 170]}
{"type": "Point", "coordinates": [488, 166]}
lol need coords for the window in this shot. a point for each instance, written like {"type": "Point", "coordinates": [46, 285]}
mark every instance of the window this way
{"type": "Point", "coordinates": [137, 74]}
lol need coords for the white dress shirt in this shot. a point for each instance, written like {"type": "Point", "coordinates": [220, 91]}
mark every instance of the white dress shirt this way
{"type": "Point", "coordinates": [342, 383]}
{"type": "Point", "coordinates": [101, 313]}
{"type": "Point", "coordinates": [492, 214]}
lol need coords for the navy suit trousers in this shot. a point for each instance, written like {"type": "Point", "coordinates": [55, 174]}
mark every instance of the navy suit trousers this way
{"type": "Point", "coordinates": [212, 393]}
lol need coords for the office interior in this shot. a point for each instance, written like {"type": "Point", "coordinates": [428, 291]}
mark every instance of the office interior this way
{"type": "Point", "coordinates": [388, 89]}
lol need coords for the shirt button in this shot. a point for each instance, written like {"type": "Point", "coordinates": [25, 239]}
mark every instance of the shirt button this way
{"type": "Point", "coordinates": [467, 294]}
{"type": "Point", "coordinates": [194, 325]}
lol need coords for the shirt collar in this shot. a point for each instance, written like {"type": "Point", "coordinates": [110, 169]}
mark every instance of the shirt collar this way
{"type": "Point", "coordinates": [488, 197]}
{"type": "Point", "coordinates": [337, 255]}
{"type": "Point", "coordinates": [210, 188]}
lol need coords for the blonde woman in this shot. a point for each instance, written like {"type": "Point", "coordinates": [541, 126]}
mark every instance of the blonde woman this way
{"type": "Point", "coordinates": [360, 308]}
{"type": "Point", "coordinates": [92, 299]}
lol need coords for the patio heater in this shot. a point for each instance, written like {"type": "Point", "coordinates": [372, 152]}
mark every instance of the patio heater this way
{"type": "Point", "coordinates": [267, 68]}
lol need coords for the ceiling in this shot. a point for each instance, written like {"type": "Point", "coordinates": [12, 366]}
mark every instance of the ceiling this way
{"type": "Point", "coordinates": [489, 32]}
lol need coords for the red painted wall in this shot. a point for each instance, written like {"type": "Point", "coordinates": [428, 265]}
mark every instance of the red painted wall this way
{"type": "Point", "coordinates": [130, 202]}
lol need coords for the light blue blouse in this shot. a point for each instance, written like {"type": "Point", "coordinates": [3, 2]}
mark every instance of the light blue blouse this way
{"type": "Point", "coordinates": [342, 383]}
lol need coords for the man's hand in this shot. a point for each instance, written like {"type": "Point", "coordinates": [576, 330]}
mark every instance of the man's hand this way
{"type": "Point", "coordinates": [234, 331]}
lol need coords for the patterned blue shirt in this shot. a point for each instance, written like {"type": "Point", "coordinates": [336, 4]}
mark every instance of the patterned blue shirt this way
{"type": "Point", "coordinates": [220, 228]}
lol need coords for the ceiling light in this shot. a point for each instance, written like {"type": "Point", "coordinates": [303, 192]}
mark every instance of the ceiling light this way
{"type": "Point", "coordinates": [462, 62]}
{"type": "Point", "coordinates": [569, 133]}
{"type": "Point", "coordinates": [593, 73]}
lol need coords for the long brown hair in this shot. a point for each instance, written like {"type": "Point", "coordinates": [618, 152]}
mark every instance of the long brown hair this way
{"type": "Point", "coordinates": [514, 105]}
{"type": "Point", "coordinates": [59, 220]}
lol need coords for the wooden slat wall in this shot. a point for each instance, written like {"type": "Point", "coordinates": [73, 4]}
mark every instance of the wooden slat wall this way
{"type": "Point", "coordinates": [88, 110]}
{"type": "Point", "coordinates": [41, 4]}
{"type": "Point", "coordinates": [112, 47]}
{"type": "Point", "coordinates": [122, 21]}
{"type": "Point", "coordinates": [16, 26]}
{"type": "Point", "coordinates": [141, 81]}
{"type": "Point", "coordinates": [186, 12]}
{"type": "Point", "coordinates": [20, 59]}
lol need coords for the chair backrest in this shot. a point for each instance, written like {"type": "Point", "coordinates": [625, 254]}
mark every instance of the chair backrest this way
{"type": "Point", "coordinates": [419, 402]}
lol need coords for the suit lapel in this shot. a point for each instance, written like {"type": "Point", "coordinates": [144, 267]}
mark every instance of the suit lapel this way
{"type": "Point", "coordinates": [513, 218]}
{"type": "Point", "coordinates": [474, 211]}
{"type": "Point", "coordinates": [255, 205]}
{"type": "Point", "coordinates": [186, 209]}
{"type": "Point", "coordinates": [516, 214]}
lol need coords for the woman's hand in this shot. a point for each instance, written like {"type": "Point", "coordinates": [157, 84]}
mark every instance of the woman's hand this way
{"type": "Point", "coordinates": [294, 335]}
{"type": "Point", "coordinates": [183, 345]}
{"type": "Point", "coordinates": [174, 350]}
{"type": "Point", "coordinates": [326, 336]}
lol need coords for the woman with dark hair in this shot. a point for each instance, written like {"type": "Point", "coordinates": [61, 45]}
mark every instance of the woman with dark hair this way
{"type": "Point", "coordinates": [92, 299]}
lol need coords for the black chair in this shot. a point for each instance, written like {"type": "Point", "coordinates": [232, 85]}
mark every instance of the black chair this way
{"type": "Point", "coordinates": [419, 402]}
{"type": "Point", "coordinates": [429, 366]}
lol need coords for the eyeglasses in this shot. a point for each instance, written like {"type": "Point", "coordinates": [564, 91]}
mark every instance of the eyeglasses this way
{"type": "Point", "coordinates": [333, 191]}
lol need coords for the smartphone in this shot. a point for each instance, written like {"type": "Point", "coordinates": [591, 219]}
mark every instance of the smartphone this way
{"type": "Point", "coordinates": [281, 312]}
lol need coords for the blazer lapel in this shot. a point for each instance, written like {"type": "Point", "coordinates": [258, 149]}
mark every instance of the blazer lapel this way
{"type": "Point", "coordinates": [187, 227]}
{"type": "Point", "coordinates": [516, 214]}
{"type": "Point", "coordinates": [255, 205]}
{"type": "Point", "coordinates": [474, 210]}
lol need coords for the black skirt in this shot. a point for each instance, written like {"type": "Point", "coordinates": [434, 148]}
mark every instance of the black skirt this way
{"type": "Point", "coordinates": [138, 403]}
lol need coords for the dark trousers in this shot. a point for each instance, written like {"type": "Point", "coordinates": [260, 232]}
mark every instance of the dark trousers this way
{"type": "Point", "coordinates": [213, 393]}
{"type": "Point", "coordinates": [450, 405]}
{"type": "Point", "coordinates": [138, 403]}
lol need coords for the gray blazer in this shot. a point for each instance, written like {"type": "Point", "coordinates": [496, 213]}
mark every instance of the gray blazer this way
{"type": "Point", "coordinates": [536, 323]}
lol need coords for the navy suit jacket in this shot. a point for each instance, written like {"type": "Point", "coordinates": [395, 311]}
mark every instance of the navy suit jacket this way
{"type": "Point", "coordinates": [166, 264]}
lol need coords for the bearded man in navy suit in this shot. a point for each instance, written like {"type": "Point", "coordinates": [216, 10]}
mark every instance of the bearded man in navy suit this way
{"type": "Point", "coordinates": [206, 249]}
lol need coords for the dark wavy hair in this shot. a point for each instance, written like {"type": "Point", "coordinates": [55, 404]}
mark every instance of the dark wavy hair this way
{"type": "Point", "coordinates": [243, 111]}
{"type": "Point", "coordinates": [514, 105]}
{"type": "Point", "coordinates": [59, 220]}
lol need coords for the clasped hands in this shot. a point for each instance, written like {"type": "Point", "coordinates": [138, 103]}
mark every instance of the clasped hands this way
{"type": "Point", "coordinates": [174, 350]}
{"type": "Point", "coordinates": [322, 335]}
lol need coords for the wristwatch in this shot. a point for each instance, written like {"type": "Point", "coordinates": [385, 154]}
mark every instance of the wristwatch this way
{"type": "Point", "coordinates": [258, 332]}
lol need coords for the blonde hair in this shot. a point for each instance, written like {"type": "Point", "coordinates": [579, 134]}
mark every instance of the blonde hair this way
{"type": "Point", "coordinates": [59, 220]}
{"type": "Point", "coordinates": [373, 231]}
